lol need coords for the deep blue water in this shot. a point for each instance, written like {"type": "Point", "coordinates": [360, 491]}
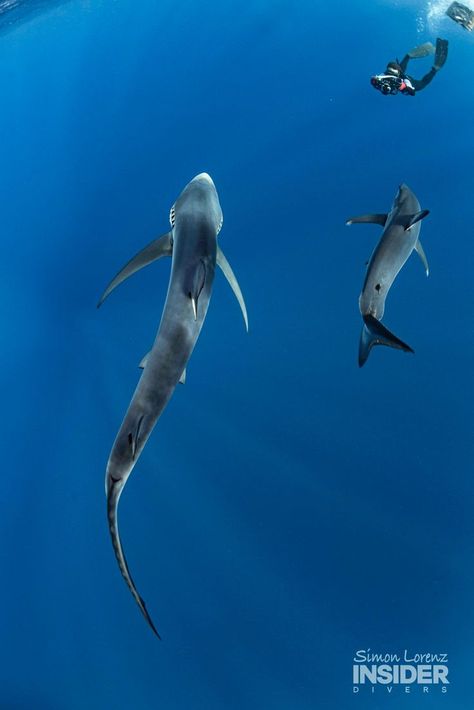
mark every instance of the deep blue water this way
{"type": "Point", "coordinates": [289, 508]}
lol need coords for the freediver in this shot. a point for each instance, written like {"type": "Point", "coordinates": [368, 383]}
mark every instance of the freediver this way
{"type": "Point", "coordinates": [396, 79]}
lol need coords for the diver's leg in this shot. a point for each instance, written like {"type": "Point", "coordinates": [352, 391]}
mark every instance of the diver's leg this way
{"type": "Point", "coordinates": [404, 62]}
{"type": "Point", "coordinates": [419, 84]}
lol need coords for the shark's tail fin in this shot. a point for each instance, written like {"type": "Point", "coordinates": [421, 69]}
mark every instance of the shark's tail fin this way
{"type": "Point", "coordinates": [114, 490]}
{"type": "Point", "coordinates": [374, 333]}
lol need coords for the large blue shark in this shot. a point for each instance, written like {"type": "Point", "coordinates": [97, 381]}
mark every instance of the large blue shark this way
{"type": "Point", "coordinates": [400, 236]}
{"type": "Point", "coordinates": [196, 219]}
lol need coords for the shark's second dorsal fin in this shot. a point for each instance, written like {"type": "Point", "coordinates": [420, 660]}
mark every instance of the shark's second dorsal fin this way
{"type": "Point", "coordinates": [229, 274]}
{"type": "Point", "coordinates": [163, 246]}
{"type": "Point", "coordinates": [422, 255]}
{"type": "Point", "coordinates": [368, 219]}
{"type": "Point", "coordinates": [414, 218]}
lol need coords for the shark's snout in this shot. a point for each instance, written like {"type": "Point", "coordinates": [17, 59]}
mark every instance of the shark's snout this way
{"type": "Point", "coordinates": [403, 193]}
{"type": "Point", "coordinates": [206, 177]}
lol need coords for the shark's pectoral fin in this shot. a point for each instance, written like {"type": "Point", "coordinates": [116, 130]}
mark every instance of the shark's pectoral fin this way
{"type": "Point", "coordinates": [374, 333]}
{"type": "Point", "coordinates": [422, 256]}
{"type": "Point", "coordinates": [414, 218]}
{"type": "Point", "coordinates": [229, 274]}
{"type": "Point", "coordinates": [182, 379]}
{"type": "Point", "coordinates": [155, 250]}
{"type": "Point", "coordinates": [368, 219]}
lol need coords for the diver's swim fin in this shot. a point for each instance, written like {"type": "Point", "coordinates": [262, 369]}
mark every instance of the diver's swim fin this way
{"type": "Point", "coordinates": [423, 50]}
{"type": "Point", "coordinates": [374, 333]}
{"type": "Point", "coordinates": [441, 53]}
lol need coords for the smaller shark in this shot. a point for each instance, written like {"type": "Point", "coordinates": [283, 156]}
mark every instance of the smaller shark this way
{"type": "Point", "coordinates": [195, 219]}
{"type": "Point", "coordinates": [400, 236]}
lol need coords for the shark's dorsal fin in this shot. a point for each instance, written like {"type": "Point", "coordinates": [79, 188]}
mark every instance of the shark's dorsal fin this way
{"type": "Point", "coordinates": [229, 274]}
{"type": "Point", "coordinates": [414, 218]}
{"type": "Point", "coordinates": [144, 361]}
{"type": "Point", "coordinates": [422, 256]}
{"type": "Point", "coordinates": [163, 246]}
{"type": "Point", "coordinates": [368, 219]}
{"type": "Point", "coordinates": [196, 285]}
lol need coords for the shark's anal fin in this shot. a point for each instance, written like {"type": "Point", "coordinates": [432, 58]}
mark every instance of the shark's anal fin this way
{"type": "Point", "coordinates": [233, 283]}
{"type": "Point", "coordinates": [163, 246]}
{"type": "Point", "coordinates": [374, 333]}
{"type": "Point", "coordinates": [422, 256]}
{"type": "Point", "coordinates": [368, 219]}
{"type": "Point", "coordinates": [144, 361]}
{"type": "Point", "coordinates": [416, 218]}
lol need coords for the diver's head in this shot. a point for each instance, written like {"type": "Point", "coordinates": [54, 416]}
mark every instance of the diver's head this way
{"type": "Point", "coordinates": [394, 69]}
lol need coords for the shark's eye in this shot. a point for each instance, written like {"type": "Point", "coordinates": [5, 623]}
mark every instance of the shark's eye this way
{"type": "Point", "coordinates": [377, 287]}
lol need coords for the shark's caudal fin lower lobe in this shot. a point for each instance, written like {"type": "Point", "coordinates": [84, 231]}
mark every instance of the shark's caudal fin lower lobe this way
{"type": "Point", "coordinates": [374, 333]}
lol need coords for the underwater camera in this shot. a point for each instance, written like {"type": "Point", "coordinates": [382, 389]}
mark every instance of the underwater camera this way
{"type": "Point", "coordinates": [386, 84]}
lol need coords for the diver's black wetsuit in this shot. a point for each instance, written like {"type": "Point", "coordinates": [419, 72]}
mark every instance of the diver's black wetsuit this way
{"type": "Point", "coordinates": [395, 79]}
{"type": "Point", "coordinates": [418, 84]}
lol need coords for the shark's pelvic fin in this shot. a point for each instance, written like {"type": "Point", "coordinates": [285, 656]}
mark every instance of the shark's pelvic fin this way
{"type": "Point", "coordinates": [233, 283]}
{"type": "Point", "coordinates": [374, 333]}
{"type": "Point", "coordinates": [163, 246]}
{"type": "Point", "coordinates": [113, 495]}
{"type": "Point", "coordinates": [144, 361]}
{"type": "Point", "coordinates": [368, 219]}
{"type": "Point", "coordinates": [422, 256]}
{"type": "Point", "coordinates": [416, 218]}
